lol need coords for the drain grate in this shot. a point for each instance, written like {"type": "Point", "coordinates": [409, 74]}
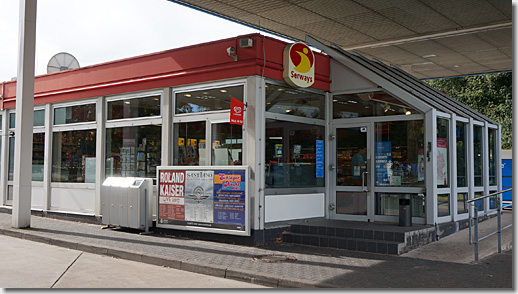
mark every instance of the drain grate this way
{"type": "Point", "coordinates": [274, 258]}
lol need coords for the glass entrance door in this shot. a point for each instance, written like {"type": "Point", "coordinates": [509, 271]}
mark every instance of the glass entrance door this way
{"type": "Point", "coordinates": [351, 175]}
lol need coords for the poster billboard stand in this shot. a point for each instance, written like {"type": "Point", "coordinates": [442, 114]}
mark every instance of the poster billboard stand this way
{"type": "Point", "coordinates": [211, 199]}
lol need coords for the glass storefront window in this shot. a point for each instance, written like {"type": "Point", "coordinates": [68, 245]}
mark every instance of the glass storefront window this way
{"type": "Point", "coordinates": [291, 155]}
{"type": "Point", "coordinates": [74, 114]}
{"type": "Point", "coordinates": [73, 156]}
{"type": "Point", "coordinates": [10, 171]}
{"type": "Point", "coordinates": [38, 119]}
{"type": "Point", "coordinates": [492, 156]}
{"type": "Point", "coordinates": [461, 155]}
{"type": "Point", "coordinates": [351, 156]}
{"type": "Point", "coordinates": [493, 200]}
{"type": "Point", "coordinates": [477, 154]}
{"type": "Point", "coordinates": [369, 104]}
{"type": "Point", "coordinates": [38, 156]}
{"type": "Point", "coordinates": [353, 203]}
{"type": "Point", "coordinates": [207, 100]}
{"type": "Point", "coordinates": [133, 151]}
{"type": "Point", "coordinates": [443, 163]}
{"type": "Point", "coordinates": [399, 153]}
{"type": "Point", "coordinates": [12, 120]}
{"type": "Point", "coordinates": [190, 144]}
{"type": "Point", "coordinates": [227, 144]}
{"type": "Point", "coordinates": [462, 203]}
{"type": "Point", "coordinates": [291, 101]}
{"type": "Point", "coordinates": [479, 203]}
{"type": "Point", "coordinates": [443, 205]}
{"type": "Point", "coordinates": [133, 108]}
{"type": "Point", "coordinates": [388, 204]}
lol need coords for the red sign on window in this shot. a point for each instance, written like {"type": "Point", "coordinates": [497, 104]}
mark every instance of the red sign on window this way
{"type": "Point", "coordinates": [237, 109]}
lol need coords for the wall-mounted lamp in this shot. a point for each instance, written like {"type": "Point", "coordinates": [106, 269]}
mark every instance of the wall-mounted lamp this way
{"type": "Point", "coordinates": [232, 53]}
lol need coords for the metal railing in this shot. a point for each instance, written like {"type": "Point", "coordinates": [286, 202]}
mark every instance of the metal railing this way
{"type": "Point", "coordinates": [474, 219]}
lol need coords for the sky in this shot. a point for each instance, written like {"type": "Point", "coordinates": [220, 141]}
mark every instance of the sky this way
{"type": "Point", "coordinates": [96, 31]}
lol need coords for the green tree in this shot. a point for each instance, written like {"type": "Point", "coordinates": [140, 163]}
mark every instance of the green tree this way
{"type": "Point", "coordinates": [490, 95]}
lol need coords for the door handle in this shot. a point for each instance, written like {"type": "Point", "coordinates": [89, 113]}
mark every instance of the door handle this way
{"type": "Point", "coordinates": [364, 188]}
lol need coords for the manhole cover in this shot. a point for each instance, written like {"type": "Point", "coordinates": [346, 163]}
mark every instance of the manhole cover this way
{"type": "Point", "coordinates": [274, 258]}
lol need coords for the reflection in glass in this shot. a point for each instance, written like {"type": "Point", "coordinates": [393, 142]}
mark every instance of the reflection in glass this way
{"type": "Point", "coordinates": [291, 101]}
{"type": "Point", "coordinates": [133, 108]}
{"type": "Point", "coordinates": [388, 204]}
{"type": "Point", "coordinates": [462, 203]}
{"type": "Point", "coordinates": [207, 100]}
{"type": "Point", "coordinates": [443, 205]}
{"type": "Point", "coordinates": [479, 203]}
{"type": "Point", "coordinates": [477, 155]}
{"type": "Point", "coordinates": [38, 156]}
{"type": "Point", "coordinates": [492, 156]}
{"type": "Point", "coordinates": [443, 163]}
{"type": "Point", "coordinates": [10, 171]}
{"type": "Point", "coordinates": [399, 153]}
{"type": "Point", "coordinates": [189, 144]}
{"type": "Point", "coordinates": [461, 155]}
{"type": "Point", "coordinates": [12, 120]}
{"type": "Point", "coordinates": [369, 104]}
{"type": "Point", "coordinates": [351, 156]}
{"type": "Point", "coordinates": [354, 203]}
{"type": "Point", "coordinates": [291, 160]}
{"type": "Point", "coordinates": [74, 114]}
{"type": "Point", "coordinates": [493, 200]}
{"type": "Point", "coordinates": [73, 156]}
{"type": "Point", "coordinates": [227, 144]}
{"type": "Point", "coordinates": [39, 118]}
{"type": "Point", "coordinates": [133, 151]}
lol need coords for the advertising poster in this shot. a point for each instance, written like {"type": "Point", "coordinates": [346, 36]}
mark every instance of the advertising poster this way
{"type": "Point", "coordinates": [383, 163]}
{"type": "Point", "coordinates": [203, 199]}
{"type": "Point", "coordinates": [171, 195]}
{"type": "Point", "coordinates": [199, 196]}
{"type": "Point", "coordinates": [278, 150]}
{"type": "Point", "coordinates": [229, 197]}
{"type": "Point", "coordinates": [320, 159]}
{"type": "Point", "coordinates": [442, 161]}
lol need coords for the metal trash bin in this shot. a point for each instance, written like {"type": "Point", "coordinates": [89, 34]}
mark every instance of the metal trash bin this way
{"type": "Point", "coordinates": [405, 210]}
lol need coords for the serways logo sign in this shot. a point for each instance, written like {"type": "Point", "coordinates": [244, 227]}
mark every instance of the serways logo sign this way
{"type": "Point", "coordinates": [299, 65]}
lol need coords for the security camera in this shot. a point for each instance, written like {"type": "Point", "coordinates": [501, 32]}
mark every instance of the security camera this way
{"type": "Point", "coordinates": [231, 51]}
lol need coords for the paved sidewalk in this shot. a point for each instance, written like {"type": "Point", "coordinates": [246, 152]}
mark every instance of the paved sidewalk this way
{"type": "Point", "coordinates": [47, 266]}
{"type": "Point", "coordinates": [314, 267]}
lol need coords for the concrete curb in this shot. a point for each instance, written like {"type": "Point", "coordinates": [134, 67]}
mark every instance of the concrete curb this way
{"type": "Point", "coordinates": [190, 266]}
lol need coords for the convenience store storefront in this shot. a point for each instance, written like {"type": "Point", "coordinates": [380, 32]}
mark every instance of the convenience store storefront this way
{"type": "Point", "coordinates": [345, 144]}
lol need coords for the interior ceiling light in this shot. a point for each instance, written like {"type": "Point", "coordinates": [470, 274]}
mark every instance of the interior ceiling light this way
{"type": "Point", "coordinates": [335, 100]}
{"type": "Point", "coordinates": [386, 107]}
{"type": "Point", "coordinates": [408, 112]}
{"type": "Point", "coordinates": [127, 102]}
{"type": "Point", "coordinates": [429, 56]}
{"type": "Point", "coordinates": [352, 101]}
{"type": "Point", "coordinates": [223, 91]}
{"type": "Point", "coordinates": [187, 95]}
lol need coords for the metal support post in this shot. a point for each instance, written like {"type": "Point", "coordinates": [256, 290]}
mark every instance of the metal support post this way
{"type": "Point", "coordinates": [476, 233]}
{"type": "Point", "coordinates": [499, 229]}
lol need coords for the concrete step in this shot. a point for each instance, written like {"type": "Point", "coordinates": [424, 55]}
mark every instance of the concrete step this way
{"type": "Point", "coordinates": [349, 243]}
{"type": "Point", "coordinates": [378, 239]}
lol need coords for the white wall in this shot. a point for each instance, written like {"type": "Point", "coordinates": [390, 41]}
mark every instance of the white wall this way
{"type": "Point", "coordinates": [291, 207]}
